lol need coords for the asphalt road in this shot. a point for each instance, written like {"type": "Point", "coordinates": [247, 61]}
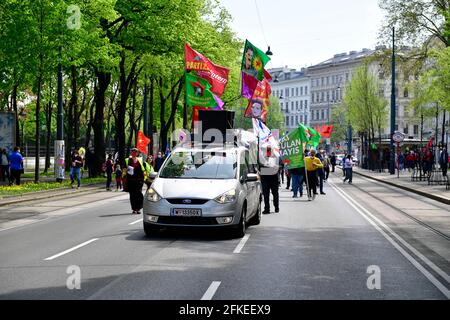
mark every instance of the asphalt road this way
{"type": "Point", "coordinates": [325, 249]}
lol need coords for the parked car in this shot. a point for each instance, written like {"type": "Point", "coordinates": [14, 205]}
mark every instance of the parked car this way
{"type": "Point", "coordinates": [339, 158]}
{"type": "Point", "coordinates": [211, 188]}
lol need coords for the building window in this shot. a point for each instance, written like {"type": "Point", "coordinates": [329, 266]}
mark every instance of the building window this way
{"type": "Point", "coordinates": [306, 103]}
{"type": "Point", "coordinates": [406, 130]}
{"type": "Point", "coordinates": [328, 96]}
{"type": "Point", "coordinates": [296, 105]}
{"type": "Point", "coordinates": [328, 81]}
{"type": "Point", "coordinates": [301, 91]}
{"type": "Point", "coordinates": [292, 92]}
{"type": "Point", "coordinates": [323, 81]}
{"type": "Point", "coordinates": [301, 104]}
{"type": "Point", "coordinates": [322, 96]}
{"type": "Point", "coordinates": [296, 91]}
{"type": "Point", "coordinates": [306, 118]}
{"type": "Point", "coordinates": [306, 90]}
{"type": "Point", "coordinates": [416, 129]}
{"type": "Point", "coordinates": [286, 91]}
{"type": "Point", "coordinates": [317, 114]}
{"type": "Point", "coordinates": [287, 121]}
{"type": "Point", "coordinates": [281, 105]}
{"type": "Point", "coordinates": [323, 114]}
{"type": "Point", "coordinates": [296, 120]}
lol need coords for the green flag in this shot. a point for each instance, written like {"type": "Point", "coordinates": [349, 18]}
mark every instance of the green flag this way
{"type": "Point", "coordinates": [198, 93]}
{"type": "Point", "coordinates": [292, 149]}
{"type": "Point", "coordinates": [309, 135]}
{"type": "Point", "coordinates": [253, 61]}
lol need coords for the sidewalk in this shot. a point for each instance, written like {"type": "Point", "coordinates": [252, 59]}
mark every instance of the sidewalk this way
{"type": "Point", "coordinates": [39, 195]}
{"type": "Point", "coordinates": [435, 192]}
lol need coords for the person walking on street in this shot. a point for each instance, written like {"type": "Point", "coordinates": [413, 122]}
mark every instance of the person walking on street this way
{"type": "Point", "coordinates": [4, 165]}
{"type": "Point", "coordinates": [159, 161]}
{"type": "Point", "coordinates": [333, 161]}
{"type": "Point", "coordinates": [149, 169]}
{"type": "Point", "coordinates": [135, 174]}
{"type": "Point", "coordinates": [270, 182]}
{"type": "Point", "coordinates": [326, 165]}
{"type": "Point", "coordinates": [312, 164]}
{"type": "Point", "coordinates": [298, 175]}
{"type": "Point", "coordinates": [109, 171]}
{"type": "Point", "coordinates": [348, 168]}
{"type": "Point", "coordinates": [281, 172]}
{"type": "Point", "coordinates": [16, 166]}
{"type": "Point", "coordinates": [288, 179]}
{"type": "Point", "coordinates": [118, 174]}
{"type": "Point", "coordinates": [76, 165]}
{"type": "Point", "coordinates": [321, 171]}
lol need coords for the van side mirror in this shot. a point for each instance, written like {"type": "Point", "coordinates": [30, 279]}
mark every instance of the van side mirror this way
{"type": "Point", "coordinates": [251, 177]}
{"type": "Point", "coordinates": [153, 175]}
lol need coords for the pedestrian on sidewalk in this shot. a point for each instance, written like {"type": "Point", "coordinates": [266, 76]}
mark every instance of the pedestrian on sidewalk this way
{"type": "Point", "coordinates": [135, 174]}
{"type": "Point", "coordinates": [109, 170]}
{"type": "Point", "coordinates": [15, 166]}
{"type": "Point", "coordinates": [326, 164]}
{"type": "Point", "coordinates": [118, 174]}
{"type": "Point", "coordinates": [348, 168]}
{"type": "Point", "coordinates": [76, 165]}
{"type": "Point", "coordinates": [4, 165]}
{"type": "Point", "coordinates": [312, 164]}
{"type": "Point", "coordinates": [281, 172]}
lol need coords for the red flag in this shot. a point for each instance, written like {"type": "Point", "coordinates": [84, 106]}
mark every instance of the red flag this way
{"type": "Point", "coordinates": [258, 105]}
{"type": "Point", "coordinates": [250, 83]}
{"type": "Point", "coordinates": [216, 75]}
{"type": "Point", "coordinates": [195, 112]}
{"type": "Point", "coordinates": [142, 142]}
{"type": "Point", "coordinates": [326, 131]}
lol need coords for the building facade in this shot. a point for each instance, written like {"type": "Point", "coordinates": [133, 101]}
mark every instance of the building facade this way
{"type": "Point", "coordinates": [292, 88]}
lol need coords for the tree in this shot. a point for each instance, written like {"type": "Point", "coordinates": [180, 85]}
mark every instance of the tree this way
{"type": "Point", "coordinates": [367, 112]}
{"type": "Point", "coordinates": [417, 21]}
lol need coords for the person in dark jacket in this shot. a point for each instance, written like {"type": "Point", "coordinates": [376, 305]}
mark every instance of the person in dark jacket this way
{"type": "Point", "coordinates": [270, 183]}
{"type": "Point", "coordinates": [16, 166]}
{"type": "Point", "coordinates": [136, 174]}
{"type": "Point", "coordinates": [109, 167]}
{"type": "Point", "coordinates": [159, 161]}
{"type": "Point", "coordinates": [333, 161]}
{"type": "Point", "coordinates": [297, 176]}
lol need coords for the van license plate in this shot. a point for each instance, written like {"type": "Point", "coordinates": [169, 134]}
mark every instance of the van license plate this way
{"type": "Point", "coordinates": [187, 212]}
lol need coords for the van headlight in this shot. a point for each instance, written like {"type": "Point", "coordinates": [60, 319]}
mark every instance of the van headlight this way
{"type": "Point", "coordinates": [227, 197]}
{"type": "Point", "coordinates": [152, 195]}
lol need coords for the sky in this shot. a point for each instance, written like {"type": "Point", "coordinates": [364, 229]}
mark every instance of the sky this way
{"type": "Point", "coordinates": [302, 33]}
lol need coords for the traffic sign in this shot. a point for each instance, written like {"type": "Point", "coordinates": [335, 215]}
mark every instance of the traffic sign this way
{"type": "Point", "coordinates": [398, 137]}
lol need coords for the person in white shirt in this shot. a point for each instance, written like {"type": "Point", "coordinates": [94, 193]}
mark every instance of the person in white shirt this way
{"type": "Point", "coordinates": [348, 169]}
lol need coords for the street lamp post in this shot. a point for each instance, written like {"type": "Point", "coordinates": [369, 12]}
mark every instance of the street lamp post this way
{"type": "Point", "coordinates": [59, 159]}
{"type": "Point", "coordinates": [392, 147]}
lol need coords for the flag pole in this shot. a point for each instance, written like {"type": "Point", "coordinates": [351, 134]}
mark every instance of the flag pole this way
{"type": "Point", "coordinates": [306, 171]}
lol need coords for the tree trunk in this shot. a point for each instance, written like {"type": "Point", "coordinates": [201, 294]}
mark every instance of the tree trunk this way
{"type": "Point", "coordinates": [125, 83]}
{"type": "Point", "coordinates": [48, 122]}
{"type": "Point", "coordinates": [150, 114]}
{"type": "Point", "coordinates": [103, 81]}
{"type": "Point", "coordinates": [38, 126]}
{"type": "Point", "coordinates": [14, 107]}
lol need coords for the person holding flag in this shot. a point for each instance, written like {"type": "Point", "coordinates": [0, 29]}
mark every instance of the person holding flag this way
{"type": "Point", "coordinates": [312, 164]}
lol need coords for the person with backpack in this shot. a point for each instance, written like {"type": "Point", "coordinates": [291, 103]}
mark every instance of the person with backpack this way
{"type": "Point", "coordinates": [108, 168]}
{"type": "Point", "coordinates": [135, 174]}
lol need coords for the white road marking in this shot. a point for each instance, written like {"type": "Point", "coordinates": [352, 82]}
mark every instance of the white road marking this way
{"type": "Point", "coordinates": [211, 290]}
{"type": "Point", "coordinates": [241, 244]}
{"type": "Point", "coordinates": [134, 222]}
{"type": "Point", "coordinates": [353, 203]}
{"type": "Point", "coordinates": [71, 249]}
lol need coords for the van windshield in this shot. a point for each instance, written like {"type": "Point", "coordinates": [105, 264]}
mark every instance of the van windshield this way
{"type": "Point", "coordinates": [200, 165]}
